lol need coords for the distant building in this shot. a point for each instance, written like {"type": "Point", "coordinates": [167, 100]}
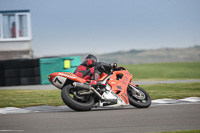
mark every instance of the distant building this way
{"type": "Point", "coordinates": [15, 34]}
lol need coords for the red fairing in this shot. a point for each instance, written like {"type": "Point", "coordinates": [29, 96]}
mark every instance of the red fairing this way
{"type": "Point", "coordinates": [52, 76]}
{"type": "Point", "coordinates": [120, 85]}
{"type": "Point", "coordinates": [66, 75]}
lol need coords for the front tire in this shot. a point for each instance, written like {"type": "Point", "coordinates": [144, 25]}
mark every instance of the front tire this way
{"type": "Point", "coordinates": [75, 102]}
{"type": "Point", "coordinates": [138, 97]}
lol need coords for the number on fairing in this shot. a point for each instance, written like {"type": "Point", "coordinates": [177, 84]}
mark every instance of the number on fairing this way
{"type": "Point", "coordinates": [59, 81]}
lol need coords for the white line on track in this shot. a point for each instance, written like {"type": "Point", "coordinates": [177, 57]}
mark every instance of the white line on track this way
{"type": "Point", "coordinates": [11, 130]}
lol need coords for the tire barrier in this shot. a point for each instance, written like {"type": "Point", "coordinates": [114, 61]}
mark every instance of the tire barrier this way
{"type": "Point", "coordinates": [34, 71]}
{"type": "Point", "coordinates": [11, 73]}
{"type": "Point", "coordinates": [1, 73]}
{"type": "Point", "coordinates": [12, 81]}
{"type": "Point", "coordinates": [19, 72]}
{"type": "Point", "coordinates": [30, 80]}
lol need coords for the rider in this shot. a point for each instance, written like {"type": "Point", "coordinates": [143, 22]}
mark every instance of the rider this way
{"type": "Point", "coordinates": [90, 69]}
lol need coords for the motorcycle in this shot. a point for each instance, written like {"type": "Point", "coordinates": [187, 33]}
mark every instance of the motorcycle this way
{"type": "Point", "coordinates": [114, 89]}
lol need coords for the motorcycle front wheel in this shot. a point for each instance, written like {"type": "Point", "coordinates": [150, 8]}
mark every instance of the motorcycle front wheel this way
{"type": "Point", "coordinates": [76, 102]}
{"type": "Point", "coordinates": [138, 97]}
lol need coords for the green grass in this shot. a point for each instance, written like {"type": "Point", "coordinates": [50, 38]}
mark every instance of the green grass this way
{"type": "Point", "coordinates": [186, 131]}
{"type": "Point", "coordinates": [162, 71]}
{"type": "Point", "coordinates": [25, 98]}
{"type": "Point", "coordinates": [173, 91]}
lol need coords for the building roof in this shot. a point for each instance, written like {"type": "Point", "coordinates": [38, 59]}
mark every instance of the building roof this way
{"type": "Point", "coordinates": [14, 11]}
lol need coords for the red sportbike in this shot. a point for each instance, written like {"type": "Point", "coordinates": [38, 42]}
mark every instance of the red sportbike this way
{"type": "Point", "coordinates": [116, 91]}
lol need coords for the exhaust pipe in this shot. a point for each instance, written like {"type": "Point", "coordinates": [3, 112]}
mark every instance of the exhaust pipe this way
{"type": "Point", "coordinates": [88, 87]}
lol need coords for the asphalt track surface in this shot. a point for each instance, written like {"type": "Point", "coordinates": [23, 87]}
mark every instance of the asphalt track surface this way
{"type": "Point", "coordinates": [126, 120]}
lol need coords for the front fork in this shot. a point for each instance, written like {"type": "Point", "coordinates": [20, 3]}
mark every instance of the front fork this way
{"type": "Point", "coordinates": [136, 93]}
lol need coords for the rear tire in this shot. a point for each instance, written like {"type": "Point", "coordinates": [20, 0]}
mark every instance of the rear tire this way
{"type": "Point", "coordinates": [140, 99]}
{"type": "Point", "coordinates": [74, 103]}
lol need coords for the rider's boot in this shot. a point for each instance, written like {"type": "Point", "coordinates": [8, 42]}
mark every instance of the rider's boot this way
{"type": "Point", "coordinates": [94, 80]}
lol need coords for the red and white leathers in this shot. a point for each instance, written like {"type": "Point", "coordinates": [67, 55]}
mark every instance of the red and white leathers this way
{"type": "Point", "coordinates": [90, 69]}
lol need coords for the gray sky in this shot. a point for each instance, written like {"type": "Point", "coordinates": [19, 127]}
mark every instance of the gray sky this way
{"type": "Point", "coordinates": [102, 26]}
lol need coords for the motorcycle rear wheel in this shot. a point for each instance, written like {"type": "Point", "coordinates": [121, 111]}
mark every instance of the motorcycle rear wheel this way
{"type": "Point", "coordinates": [139, 98]}
{"type": "Point", "coordinates": [77, 103]}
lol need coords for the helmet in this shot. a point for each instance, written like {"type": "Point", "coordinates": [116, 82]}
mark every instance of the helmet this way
{"type": "Point", "coordinates": [92, 57]}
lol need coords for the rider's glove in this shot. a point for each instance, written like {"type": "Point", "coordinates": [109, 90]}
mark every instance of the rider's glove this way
{"type": "Point", "coordinates": [113, 65]}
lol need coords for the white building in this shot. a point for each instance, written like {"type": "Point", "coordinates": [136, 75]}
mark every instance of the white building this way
{"type": "Point", "coordinates": [15, 34]}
